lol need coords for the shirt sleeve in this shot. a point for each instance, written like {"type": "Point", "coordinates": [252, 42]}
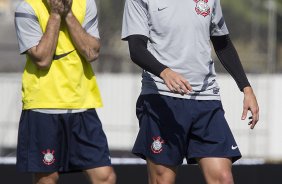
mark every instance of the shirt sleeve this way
{"type": "Point", "coordinates": [27, 26]}
{"type": "Point", "coordinates": [229, 58]}
{"type": "Point", "coordinates": [218, 26]}
{"type": "Point", "coordinates": [90, 23]}
{"type": "Point", "coordinates": [135, 18]}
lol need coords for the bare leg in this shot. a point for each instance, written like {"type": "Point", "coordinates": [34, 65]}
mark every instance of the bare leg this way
{"type": "Point", "coordinates": [45, 178]}
{"type": "Point", "coordinates": [101, 175]}
{"type": "Point", "coordinates": [160, 174]}
{"type": "Point", "coordinates": [217, 170]}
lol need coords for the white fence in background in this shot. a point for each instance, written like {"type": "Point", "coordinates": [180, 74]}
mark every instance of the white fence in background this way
{"type": "Point", "coordinates": [120, 91]}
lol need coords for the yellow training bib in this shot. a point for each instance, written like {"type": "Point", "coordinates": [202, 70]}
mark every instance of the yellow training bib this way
{"type": "Point", "coordinates": [70, 82]}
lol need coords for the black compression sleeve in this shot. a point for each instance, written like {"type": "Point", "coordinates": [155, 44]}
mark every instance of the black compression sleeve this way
{"type": "Point", "coordinates": [141, 56]}
{"type": "Point", "coordinates": [229, 58]}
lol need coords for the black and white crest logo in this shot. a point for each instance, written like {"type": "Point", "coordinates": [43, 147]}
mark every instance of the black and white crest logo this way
{"type": "Point", "coordinates": [157, 145]}
{"type": "Point", "coordinates": [49, 157]}
{"type": "Point", "coordinates": [202, 7]}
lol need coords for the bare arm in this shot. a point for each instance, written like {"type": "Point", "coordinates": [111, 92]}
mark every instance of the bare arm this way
{"type": "Point", "coordinates": [87, 45]}
{"type": "Point", "coordinates": [42, 54]}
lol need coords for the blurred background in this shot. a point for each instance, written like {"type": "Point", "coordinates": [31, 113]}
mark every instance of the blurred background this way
{"type": "Point", "coordinates": [256, 30]}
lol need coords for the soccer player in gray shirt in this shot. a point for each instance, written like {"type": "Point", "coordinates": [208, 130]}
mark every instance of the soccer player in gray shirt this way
{"type": "Point", "coordinates": [179, 108]}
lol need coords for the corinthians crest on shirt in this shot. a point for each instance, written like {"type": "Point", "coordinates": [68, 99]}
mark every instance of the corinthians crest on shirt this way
{"type": "Point", "coordinates": [157, 145]}
{"type": "Point", "coordinates": [49, 157]}
{"type": "Point", "coordinates": [202, 7]}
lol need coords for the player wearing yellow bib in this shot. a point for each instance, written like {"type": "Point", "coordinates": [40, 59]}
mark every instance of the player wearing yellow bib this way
{"type": "Point", "coordinates": [59, 129]}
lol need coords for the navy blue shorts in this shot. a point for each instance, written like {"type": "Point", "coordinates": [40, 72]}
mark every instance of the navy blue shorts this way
{"type": "Point", "coordinates": [172, 129]}
{"type": "Point", "coordinates": [61, 142]}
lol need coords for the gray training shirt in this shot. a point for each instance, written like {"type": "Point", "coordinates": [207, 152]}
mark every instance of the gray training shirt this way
{"type": "Point", "coordinates": [179, 33]}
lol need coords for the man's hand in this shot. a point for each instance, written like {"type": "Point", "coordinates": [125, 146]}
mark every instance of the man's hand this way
{"type": "Point", "coordinates": [67, 7]}
{"type": "Point", "coordinates": [56, 6]}
{"type": "Point", "coordinates": [250, 103]}
{"type": "Point", "coordinates": [175, 82]}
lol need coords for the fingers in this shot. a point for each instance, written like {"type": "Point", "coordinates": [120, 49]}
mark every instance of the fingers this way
{"type": "Point", "coordinates": [61, 7]}
{"type": "Point", "coordinates": [56, 6]}
{"type": "Point", "coordinates": [176, 82]}
{"type": "Point", "coordinates": [181, 87]}
{"type": "Point", "coordinates": [174, 87]}
{"type": "Point", "coordinates": [244, 114]}
{"type": "Point", "coordinates": [254, 118]}
{"type": "Point", "coordinates": [170, 87]}
{"type": "Point", "coordinates": [250, 103]}
{"type": "Point", "coordinates": [187, 86]}
{"type": "Point", "coordinates": [67, 3]}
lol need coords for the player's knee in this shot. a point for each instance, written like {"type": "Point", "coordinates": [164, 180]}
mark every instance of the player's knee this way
{"type": "Point", "coordinates": [165, 180]}
{"type": "Point", "coordinates": [51, 179]}
{"type": "Point", "coordinates": [225, 177]}
{"type": "Point", "coordinates": [107, 178]}
{"type": "Point", "coordinates": [162, 176]}
{"type": "Point", "coordinates": [111, 178]}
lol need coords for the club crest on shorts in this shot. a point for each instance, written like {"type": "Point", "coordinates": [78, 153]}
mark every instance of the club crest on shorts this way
{"type": "Point", "coordinates": [157, 145]}
{"type": "Point", "coordinates": [49, 157]}
{"type": "Point", "coordinates": [202, 7]}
